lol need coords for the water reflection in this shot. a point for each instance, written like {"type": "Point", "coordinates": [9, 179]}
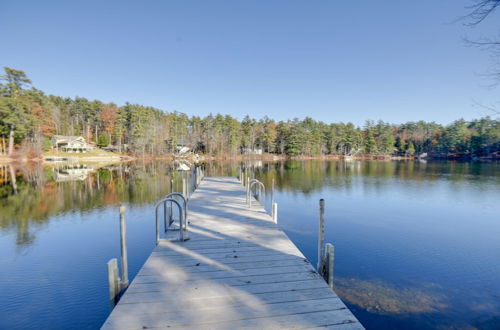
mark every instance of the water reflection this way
{"type": "Point", "coordinates": [31, 195]}
{"type": "Point", "coordinates": [72, 172]}
{"type": "Point", "coordinates": [416, 243]}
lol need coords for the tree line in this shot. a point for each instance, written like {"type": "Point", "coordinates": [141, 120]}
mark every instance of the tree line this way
{"type": "Point", "coordinates": [29, 118]}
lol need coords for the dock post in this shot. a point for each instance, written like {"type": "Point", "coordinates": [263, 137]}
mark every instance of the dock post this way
{"type": "Point", "coordinates": [330, 255]}
{"type": "Point", "coordinates": [248, 187]}
{"type": "Point", "coordinates": [165, 216]}
{"type": "Point", "coordinates": [123, 245]}
{"type": "Point", "coordinates": [272, 198]}
{"type": "Point", "coordinates": [250, 197]}
{"type": "Point", "coordinates": [275, 212]}
{"type": "Point", "coordinates": [170, 210]}
{"type": "Point", "coordinates": [321, 237]}
{"type": "Point", "coordinates": [192, 181]}
{"type": "Point", "coordinates": [113, 282]}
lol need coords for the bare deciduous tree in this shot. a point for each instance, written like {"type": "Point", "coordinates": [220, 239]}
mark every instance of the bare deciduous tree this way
{"type": "Point", "coordinates": [480, 10]}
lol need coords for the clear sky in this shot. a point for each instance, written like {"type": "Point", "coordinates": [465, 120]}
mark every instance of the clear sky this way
{"type": "Point", "coordinates": [395, 60]}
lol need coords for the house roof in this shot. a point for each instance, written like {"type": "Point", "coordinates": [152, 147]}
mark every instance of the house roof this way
{"type": "Point", "coordinates": [67, 138]}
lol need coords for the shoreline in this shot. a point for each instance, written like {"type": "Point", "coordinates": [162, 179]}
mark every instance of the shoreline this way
{"type": "Point", "coordinates": [4, 159]}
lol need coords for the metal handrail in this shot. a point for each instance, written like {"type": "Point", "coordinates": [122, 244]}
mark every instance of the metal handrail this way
{"type": "Point", "coordinates": [249, 183]}
{"type": "Point", "coordinates": [170, 215]}
{"type": "Point", "coordinates": [261, 185]}
{"type": "Point", "coordinates": [253, 180]}
{"type": "Point", "coordinates": [182, 236]}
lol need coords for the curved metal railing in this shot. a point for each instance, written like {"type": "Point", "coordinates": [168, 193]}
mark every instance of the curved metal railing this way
{"type": "Point", "coordinates": [182, 220]}
{"type": "Point", "coordinates": [257, 193]}
{"type": "Point", "coordinates": [170, 211]}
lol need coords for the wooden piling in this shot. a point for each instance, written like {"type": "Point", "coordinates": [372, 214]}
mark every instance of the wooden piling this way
{"type": "Point", "coordinates": [330, 255]}
{"type": "Point", "coordinates": [197, 177]}
{"type": "Point", "coordinates": [248, 191]}
{"type": "Point", "coordinates": [321, 236]}
{"type": "Point", "coordinates": [275, 212]}
{"type": "Point", "coordinates": [113, 282]}
{"type": "Point", "coordinates": [123, 245]}
{"type": "Point", "coordinates": [272, 191]}
{"type": "Point", "coordinates": [272, 198]}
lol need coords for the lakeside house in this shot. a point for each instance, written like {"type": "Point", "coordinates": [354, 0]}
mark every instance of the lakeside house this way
{"type": "Point", "coordinates": [252, 151]}
{"type": "Point", "coordinates": [71, 143]}
{"type": "Point", "coordinates": [181, 148]}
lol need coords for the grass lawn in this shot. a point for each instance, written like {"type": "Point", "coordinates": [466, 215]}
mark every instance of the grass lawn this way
{"type": "Point", "coordinates": [93, 153]}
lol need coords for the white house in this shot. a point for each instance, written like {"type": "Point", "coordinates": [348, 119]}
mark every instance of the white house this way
{"type": "Point", "coordinates": [252, 151]}
{"type": "Point", "coordinates": [71, 143]}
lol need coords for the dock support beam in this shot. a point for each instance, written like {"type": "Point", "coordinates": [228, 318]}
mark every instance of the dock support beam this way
{"type": "Point", "coordinates": [275, 212]}
{"type": "Point", "coordinates": [272, 199]}
{"type": "Point", "coordinates": [123, 245]}
{"type": "Point", "coordinates": [272, 192]}
{"type": "Point", "coordinates": [321, 237]}
{"type": "Point", "coordinates": [330, 254]}
{"type": "Point", "coordinates": [248, 190]}
{"type": "Point", "coordinates": [116, 284]}
{"type": "Point", "coordinates": [170, 210]}
{"type": "Point", "coordinates": [113, 282]}
{"type": "Point", "coordinates": [184, 192]}
{"type": "Point", "coordinates": [326, 252]}
{"type": "Point", "coordinates": [198, 179]}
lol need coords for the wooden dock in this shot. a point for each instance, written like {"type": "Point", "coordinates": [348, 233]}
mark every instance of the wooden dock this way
{"type": "Point", "coordinates": [237, 271]}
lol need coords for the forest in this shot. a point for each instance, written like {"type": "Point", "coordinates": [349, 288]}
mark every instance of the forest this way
{"type": "Point", "coordinates": [29, 118]}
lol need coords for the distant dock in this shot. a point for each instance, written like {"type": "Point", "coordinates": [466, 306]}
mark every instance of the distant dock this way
{"type": "Point", "coordinates": [238, 270]}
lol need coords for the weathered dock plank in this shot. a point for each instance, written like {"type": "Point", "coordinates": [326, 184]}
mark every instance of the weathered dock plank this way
{"type": "Point", "coordinates": [237, 271]}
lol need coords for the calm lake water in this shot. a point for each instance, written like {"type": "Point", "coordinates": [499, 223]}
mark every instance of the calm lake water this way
{"type": "Point", "coordinates": [416, 245]}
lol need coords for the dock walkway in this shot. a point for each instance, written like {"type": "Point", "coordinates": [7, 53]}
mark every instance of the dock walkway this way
{"type": "Point", "coordinates": [237, 271]}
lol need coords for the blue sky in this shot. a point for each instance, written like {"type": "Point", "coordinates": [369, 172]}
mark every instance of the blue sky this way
{"type": "Point", "coordinates": [331, 60]}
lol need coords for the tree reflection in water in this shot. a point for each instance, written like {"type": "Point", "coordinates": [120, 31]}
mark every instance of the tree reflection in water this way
{"type": "Point", "coordinates": [31, 194]}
